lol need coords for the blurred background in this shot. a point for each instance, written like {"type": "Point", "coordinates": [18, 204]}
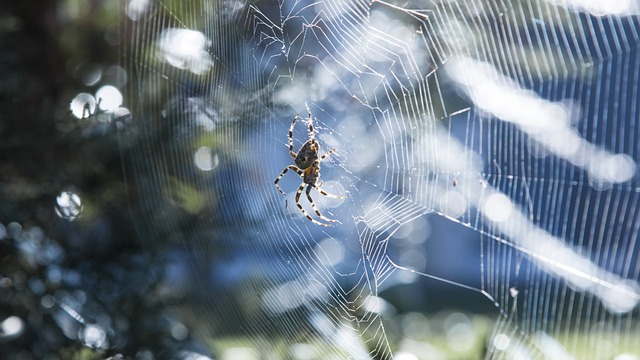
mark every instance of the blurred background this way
{"type": "Point", "coordinates": [139, 142]}
{"type": "Point", "coordinates": [75, 282]}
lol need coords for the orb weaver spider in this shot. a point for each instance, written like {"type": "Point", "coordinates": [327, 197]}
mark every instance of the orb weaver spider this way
{"type": "Point", "coordinates": [307, 166]}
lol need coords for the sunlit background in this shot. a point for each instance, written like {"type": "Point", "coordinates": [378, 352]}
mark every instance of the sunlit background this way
{"type": "Point", "coordinates": [484, 180]}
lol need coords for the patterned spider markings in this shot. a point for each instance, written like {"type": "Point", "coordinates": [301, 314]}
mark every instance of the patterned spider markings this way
{"type": "Point", "coordinates": [307, 166]}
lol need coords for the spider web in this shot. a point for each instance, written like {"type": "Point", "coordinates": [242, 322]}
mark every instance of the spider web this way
{"type": "Point", "coordinates": [485, 147]}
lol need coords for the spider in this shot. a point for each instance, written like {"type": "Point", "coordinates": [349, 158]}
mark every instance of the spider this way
{"type": "Point", "coordinates": [307, 165]}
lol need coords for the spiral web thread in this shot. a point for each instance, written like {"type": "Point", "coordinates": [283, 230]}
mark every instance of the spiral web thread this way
{"type": "Point", "coordinates": [516, 120]}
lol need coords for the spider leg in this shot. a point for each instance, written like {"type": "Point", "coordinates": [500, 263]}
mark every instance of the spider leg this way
{"type": "Point", "coordinates": [304, 212]}
{"type": "Point", "coordinates": [315, 209]}
{"type": "Point", "coordinates": [293, 123]}
{"type": "Point", "coordinates": [311, 135]}
{"type": "Point", "coordinates": [327, 154]}
{"type": "Point", "coordinates": [292, 167]}
{"type": "Point", "coordinates": [317, 184]}
{"type": "Point", "coordinates": [327, 194]}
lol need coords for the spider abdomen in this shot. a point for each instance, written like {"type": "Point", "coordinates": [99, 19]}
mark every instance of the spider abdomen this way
{"type": "Point", "coordinates": [307, 155]}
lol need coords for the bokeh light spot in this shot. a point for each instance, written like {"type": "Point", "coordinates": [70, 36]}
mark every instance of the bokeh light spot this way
{"type": "Point", "coordinates": [11, 327]}
{"type": "Point", "coordinates": [109, 98]}
{"type": "Point", "coordinates": [501, 342]}
{"type": "Point", "coordinates": [185, 49]}
{"type": "Point", "coordinates": [205, 160]}
{"type": "Point", "coordinates": [83, 105]}
{"type": "Point", "coordinates": [497, 207]}
{"type": "Point", "coordinates": [68, 205]}
{"type": "Point", "coordinates": [94, 336]}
